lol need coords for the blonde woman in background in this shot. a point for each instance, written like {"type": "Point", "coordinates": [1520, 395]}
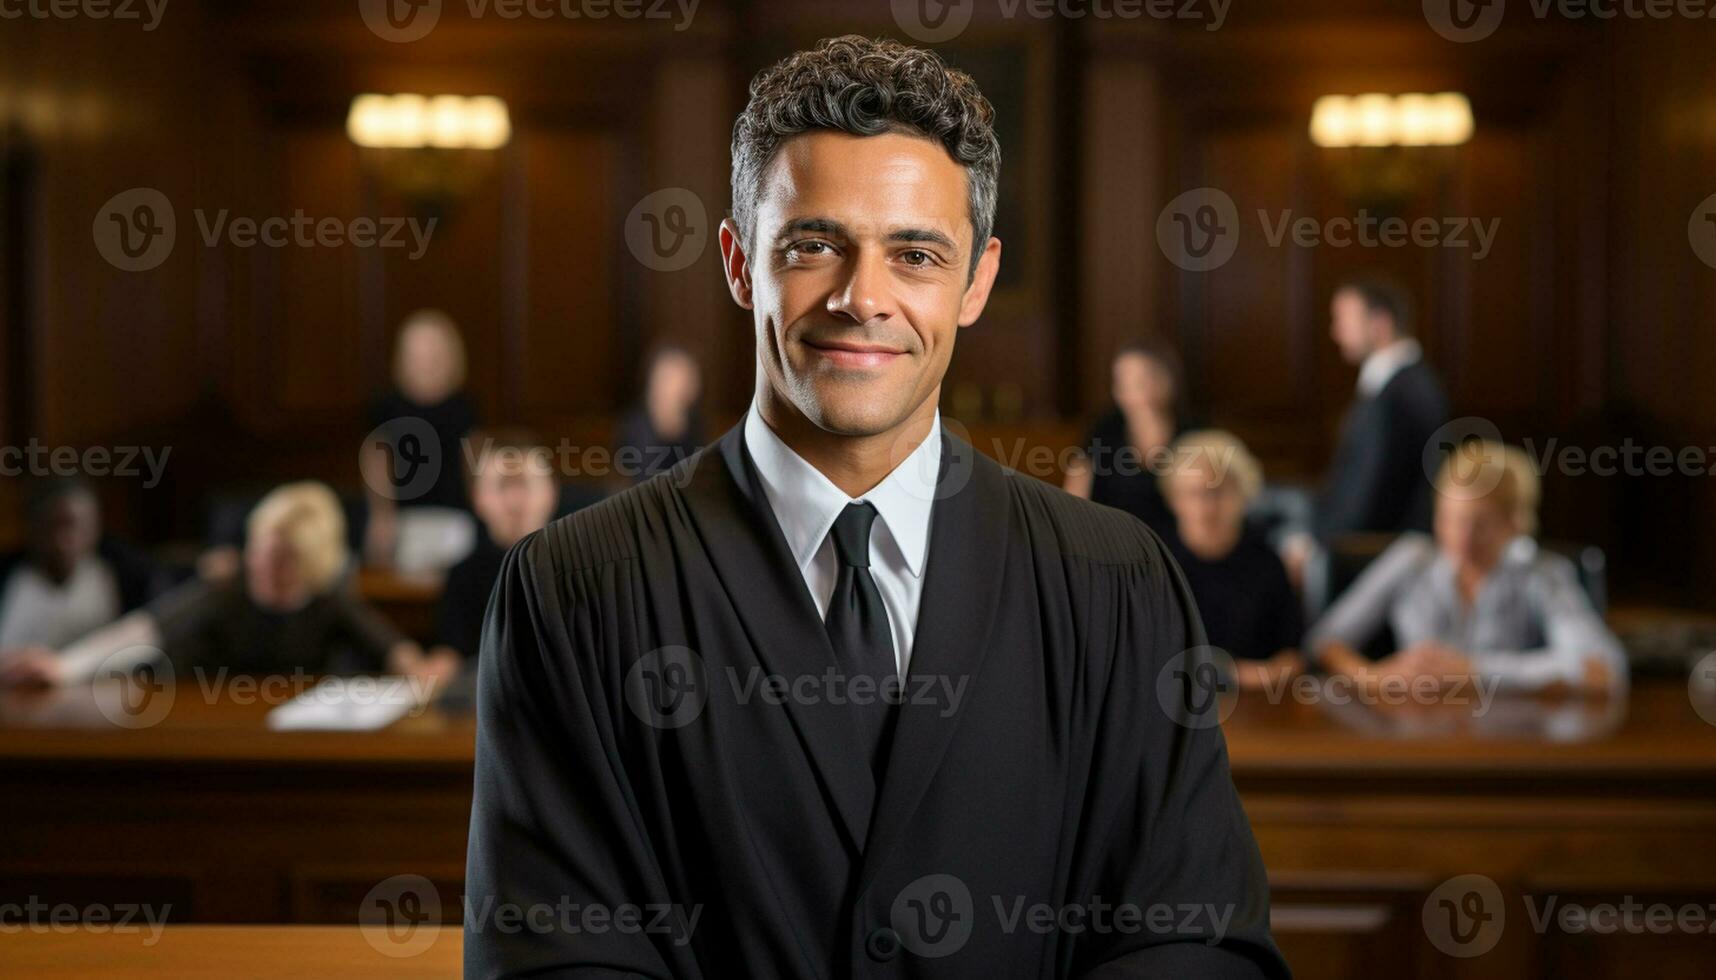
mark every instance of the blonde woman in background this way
{"type": "Point", "coordinates": [1248, 607]}
{"type": "Point", "coordinates": [1479, 598]}
{"type": "Point", "coordinates": [286, 610]}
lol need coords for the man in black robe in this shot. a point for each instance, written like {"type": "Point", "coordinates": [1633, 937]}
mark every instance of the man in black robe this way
{"type": "Point", "coordinates": [837, 696]}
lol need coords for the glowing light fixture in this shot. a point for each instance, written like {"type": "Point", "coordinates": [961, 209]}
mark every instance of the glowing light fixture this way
{"type": "Point", "coordinates": [1374, 119]}
{"type": "Point", "coordinates": [476, 122]}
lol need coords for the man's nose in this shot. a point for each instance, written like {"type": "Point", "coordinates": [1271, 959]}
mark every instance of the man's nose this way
{"type": "Point", "coordinates": [865, 294]}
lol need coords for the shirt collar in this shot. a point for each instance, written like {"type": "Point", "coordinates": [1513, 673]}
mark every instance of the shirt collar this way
{"type": "Point", "coordinates": [806, 502]}
{"type": "Point", "coordinates": [1382, 365]}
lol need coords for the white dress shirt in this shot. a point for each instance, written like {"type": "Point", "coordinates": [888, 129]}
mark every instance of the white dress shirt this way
{"type": "Point", "coordinates": [1382, 365]}
{"type": "Point", "coordinates": [806, 503]}
{"type": "Point", "coordinates": [36, 611]}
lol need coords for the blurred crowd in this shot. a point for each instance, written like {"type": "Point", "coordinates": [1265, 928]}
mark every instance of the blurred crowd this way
{"type": "Point", "coordinates": [1390, 571]}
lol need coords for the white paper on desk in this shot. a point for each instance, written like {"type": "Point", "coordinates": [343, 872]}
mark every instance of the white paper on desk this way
{"type": "Point", "coordinates": [348, 704]}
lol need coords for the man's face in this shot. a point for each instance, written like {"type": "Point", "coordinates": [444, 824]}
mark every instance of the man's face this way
{"type": "Point", "coordinates": [859, 276]}
{"type": "Point", "coordinates": [67, 531]}
{"type": "Point", "coordinates": [1353, 326]}
{"type": "Point", "coordinates": [514, 495]}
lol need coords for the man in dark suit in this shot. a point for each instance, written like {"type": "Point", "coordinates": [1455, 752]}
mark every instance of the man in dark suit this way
{"type": "Point", "coordinates": [1377, 482]}
{"type": "Point", "coordinates": [837, 696]}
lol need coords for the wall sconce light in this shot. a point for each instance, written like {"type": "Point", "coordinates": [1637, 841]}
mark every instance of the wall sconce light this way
{"type": "Point", "coordinates": [1413, 119]}
{"type": "Point", "coordinates": [448, 122]}
{"type": "Point", "coordinates": [1381, 144]}
{"type": "Point", "coordinates": [430, 149]}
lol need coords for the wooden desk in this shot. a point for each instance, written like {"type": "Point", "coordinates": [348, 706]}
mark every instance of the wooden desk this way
{"type": "Point", "coordinates": [224, 952]}
{"type": "Point", "coordinates": [1362, 813]}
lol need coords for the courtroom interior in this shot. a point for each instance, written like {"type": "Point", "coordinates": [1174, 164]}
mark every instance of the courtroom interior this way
{"type": "Point", "coordinates": [1391, 324]}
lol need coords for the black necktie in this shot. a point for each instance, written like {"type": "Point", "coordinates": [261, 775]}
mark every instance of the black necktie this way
{"type": "Point", "coordinates": [857, 626]}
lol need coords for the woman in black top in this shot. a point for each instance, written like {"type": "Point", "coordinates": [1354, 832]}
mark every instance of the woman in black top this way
{"type": "Point", "coordinates": [1128, 447]}
{"type": "Point", "coordinates": [666, 426]}
{"type": "Point", "coordinates": [1248, 607]}
{"type": "Point", "coordinates": [426, 416]}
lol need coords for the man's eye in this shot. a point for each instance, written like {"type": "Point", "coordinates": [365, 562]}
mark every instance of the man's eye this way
{"type": "Point", "coordinates": [808, 249]}
{"type": "Point", "coordinates": [916, 257]}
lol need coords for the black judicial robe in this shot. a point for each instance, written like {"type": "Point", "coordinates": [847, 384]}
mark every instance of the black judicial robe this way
{"type": "Point", "coordinates": [642, 808]}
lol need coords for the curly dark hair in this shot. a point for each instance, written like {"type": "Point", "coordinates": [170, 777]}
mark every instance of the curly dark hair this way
{"type": "Point", "coordinates": [867, 87]}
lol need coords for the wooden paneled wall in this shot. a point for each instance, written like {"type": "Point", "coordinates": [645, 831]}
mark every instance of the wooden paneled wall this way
{"type": "Point", "coordinates": [1587, 322]}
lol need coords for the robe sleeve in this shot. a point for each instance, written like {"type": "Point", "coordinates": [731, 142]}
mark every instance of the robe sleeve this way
{"type": "Point", "coordinates": [561, 878]}
{"type": "Point", "coordinates": [1172, 840]}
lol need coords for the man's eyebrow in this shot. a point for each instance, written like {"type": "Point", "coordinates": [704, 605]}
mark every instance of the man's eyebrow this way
{"type": "Point", "coordinates": [826, 226]}
{"type": "Point", "coordinates": [923, 235]}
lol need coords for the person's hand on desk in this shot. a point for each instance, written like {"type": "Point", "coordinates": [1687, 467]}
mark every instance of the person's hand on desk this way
{"type": "Point", "coordinates": [438, 666]}
{"type": "Point", "coordinates": [1255, 674]}
{"type": "Point", "coordinates": [32, 666]}
{"type": "Point", "coordinates": [1596, 680]}
{"type": "Point", "coordinates": [1440, 661]}
{"type": "Point", "coordinates": [1434, 660]}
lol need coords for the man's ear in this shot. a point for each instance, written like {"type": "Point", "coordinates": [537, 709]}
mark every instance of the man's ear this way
{"type": "Point", "coordinates": [982, 281]}
{"type": "Point", "coordinates": [735, 265]}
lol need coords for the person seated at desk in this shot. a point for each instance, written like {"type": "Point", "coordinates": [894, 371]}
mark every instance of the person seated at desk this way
{"type": "Point", "coordinates": [1123, 454]}
{"type": "Point", "coordinates": [70, 578]}
{"type": "Point", "coordinates": [1240, 586]}
{"type": "Point", "coordinates": [514, 493]}
{"type": "Point", "coordinates": [286, 610]}
{"type": "Point", "coordinates": [1479, 599]}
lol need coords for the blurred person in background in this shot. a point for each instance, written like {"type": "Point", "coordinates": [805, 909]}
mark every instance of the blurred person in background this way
{"type": "Point", "coordinates": [286, 610]}
{"type": "Point", "coordinates": [431, 529]}
{"type": "Point", "coordinates": [1249, 609]}
{"type": "Point", "coordinates": [515, 493]}
{"type": "Point", "coordinates": [1376, 481]}
{"type": "Point", "coordinates": [1127, 446]}
{"type": "Point", "coordinates": [70, 578]}
{"type": "Point", "coordinates": [667, 425]}
{"type": "Point", "coordinates": [1480, 599]}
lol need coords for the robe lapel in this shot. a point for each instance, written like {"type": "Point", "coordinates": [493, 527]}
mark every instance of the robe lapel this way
{"type": "Point", "coordinates": [756, 569]}
{"type": "Point", "coordinates": [967, 559]}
